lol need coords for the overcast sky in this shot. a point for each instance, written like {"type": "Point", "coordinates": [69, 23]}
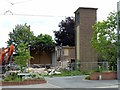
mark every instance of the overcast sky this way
{"type": "Point", "coordinates": [50, 13]}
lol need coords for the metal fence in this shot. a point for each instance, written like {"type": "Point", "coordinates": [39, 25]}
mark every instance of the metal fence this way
{"type": "Point", "coordinates": [94, 66]}
{"type": "Point", "coordinates": [85, 66]}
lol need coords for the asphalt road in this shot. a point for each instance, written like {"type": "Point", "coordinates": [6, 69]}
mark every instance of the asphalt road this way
{"type": "Point", "coordinates": [79, 82]}
{"type": "Point", "coordinates": [69, 83]}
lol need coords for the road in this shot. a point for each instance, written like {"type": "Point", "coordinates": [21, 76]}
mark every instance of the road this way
{"type": "Point", "coordinates": [71, 82]}
{"type": "Point", "coordinates": [79, 82]}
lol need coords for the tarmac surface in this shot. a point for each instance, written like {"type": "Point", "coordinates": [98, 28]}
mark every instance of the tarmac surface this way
{"type": "Point", "coordinates": [71, 83]}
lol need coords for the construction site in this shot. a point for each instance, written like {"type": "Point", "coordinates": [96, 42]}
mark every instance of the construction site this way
{"type": "Point", "coordinates": [81, 57]}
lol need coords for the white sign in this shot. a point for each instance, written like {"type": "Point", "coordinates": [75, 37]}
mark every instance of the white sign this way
{"type": "Point", "coordinates": [118, 6]}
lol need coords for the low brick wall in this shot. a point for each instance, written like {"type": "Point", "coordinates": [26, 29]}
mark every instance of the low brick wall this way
{"type": "Point", "coordinates": [26, 82]}
{"type": "Point", "coordinates": [104, 76]}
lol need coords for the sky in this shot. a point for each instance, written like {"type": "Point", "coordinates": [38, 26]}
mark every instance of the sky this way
{"type": "Point", "coordinates": [44, 15]}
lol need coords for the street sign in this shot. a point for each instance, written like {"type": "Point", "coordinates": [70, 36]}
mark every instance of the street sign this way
{"type": "Point", "coordinates": [118, 49]}
{"type": "Point", "coordinates": [118, 6]}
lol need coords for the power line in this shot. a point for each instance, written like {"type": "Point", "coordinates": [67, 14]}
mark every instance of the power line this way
{"type": "Point", "coordinates": [37, 15]}
{"type": "Point", "coordinates": [13, 3]}
{"type": "Point", "coordinates": [9, 12]}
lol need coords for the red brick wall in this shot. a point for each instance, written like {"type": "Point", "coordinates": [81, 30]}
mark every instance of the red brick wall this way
{"type": "Point", "coordinates": [105, 75]}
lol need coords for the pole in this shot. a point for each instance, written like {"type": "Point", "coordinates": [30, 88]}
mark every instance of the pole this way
{"type": "Point", "coordinates": [61, 55]}
{"type": "Point", "coordinates": [118, 46]}
{"type": "Point", "coordinates": [30, 59]}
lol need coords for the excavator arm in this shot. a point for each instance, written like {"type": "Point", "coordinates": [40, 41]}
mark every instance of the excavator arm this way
{"type": "Point", "coordinates": [3, 52]}
{"type": "Point", "coordinates": [9, 51]}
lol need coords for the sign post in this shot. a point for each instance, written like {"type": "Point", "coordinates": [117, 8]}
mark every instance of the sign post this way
{"type": "Point", "coordinates": [118, 46]}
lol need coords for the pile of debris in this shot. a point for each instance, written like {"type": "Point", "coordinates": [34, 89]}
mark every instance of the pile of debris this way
{"type": "Point", "coordinates": [36, 69]}
{"type": "Point", "coordinates": [42, 71]}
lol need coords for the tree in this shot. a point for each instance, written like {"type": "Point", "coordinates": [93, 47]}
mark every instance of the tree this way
{"type": "Point", "coordinates": [104, 39]}
{"type": "Point", "coordinates": [21, 34]}
{"type": "Point", "coordinates": [66, 34]}
{"type": "Point", "coordinates": [23, 56]}
{"type": "Point", "coordinates": [43, 43]}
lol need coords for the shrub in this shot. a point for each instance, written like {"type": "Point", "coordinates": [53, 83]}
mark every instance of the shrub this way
{"type": "Point", "coordinates": [85, 72]}
{"type": "Point", "coordinates": [12, 78]}
{"type": "Point", "coordinates": [87, 77]}
{"type": "Point", "coordinates": [36, 76]}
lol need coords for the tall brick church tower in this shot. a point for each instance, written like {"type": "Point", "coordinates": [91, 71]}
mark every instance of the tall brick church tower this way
{"type": "Point", "coordinates": [85, 18]}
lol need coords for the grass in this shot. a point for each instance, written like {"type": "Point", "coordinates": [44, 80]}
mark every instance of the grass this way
{"type": "Point", "coordinates": [72, 73]}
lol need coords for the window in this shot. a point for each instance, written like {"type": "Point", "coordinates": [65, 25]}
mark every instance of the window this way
{"type": "Point", "coordinates": [66, 52]}
{"type": "Point", "coordinates": [77, 17]}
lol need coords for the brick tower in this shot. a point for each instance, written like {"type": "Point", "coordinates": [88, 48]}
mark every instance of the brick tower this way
{"type": "Point", "coordinates": [85, 18]}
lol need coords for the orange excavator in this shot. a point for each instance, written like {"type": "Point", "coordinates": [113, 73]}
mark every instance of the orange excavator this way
{"type": "Point", "coordinates": [3, 52]}
{"type": "Point", "coordinates": [9, 52]}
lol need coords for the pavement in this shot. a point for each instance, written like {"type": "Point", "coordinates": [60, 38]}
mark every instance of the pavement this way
{"type": "Point", "coordinates": [80, 82]}
{"type": "Point", "coordinates": [73, 82]}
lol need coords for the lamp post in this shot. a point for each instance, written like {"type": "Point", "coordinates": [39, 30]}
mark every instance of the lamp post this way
{"type": "Point", "coordinates": [61, 54]}
{"type": "Point", "coordinates": [118, 46]}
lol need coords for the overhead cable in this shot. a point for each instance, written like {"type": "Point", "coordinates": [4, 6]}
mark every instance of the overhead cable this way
{"type": "Point", "coordinates": [9, 11]}
{"type": "Point", "coordinates": [37, 15]}
{"type": "Point", "coordinates": [17, 2]}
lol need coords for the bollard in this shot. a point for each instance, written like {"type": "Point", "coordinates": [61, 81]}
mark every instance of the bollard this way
{"type": "Point", "coordinates": [100, 77]}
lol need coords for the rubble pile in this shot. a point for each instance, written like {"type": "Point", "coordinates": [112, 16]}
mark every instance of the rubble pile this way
{"type": "Point", "coordinates": [42, 71]}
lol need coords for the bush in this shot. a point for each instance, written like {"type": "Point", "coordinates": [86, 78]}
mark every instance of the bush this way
{"type": "Point", "coordinates": [36, 76]}
{"type": "Point", "coordinates": [87, 77]}
{"type": "Point", "coordinates": [85, 72]}
{"type": "Point", "coordinates": [12, 78]}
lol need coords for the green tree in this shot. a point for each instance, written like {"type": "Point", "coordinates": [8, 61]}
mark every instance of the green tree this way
{"type": "Point", "coordinates": [21, 34]}
{"type": "Point", "coordinates": [45, 39]}
{"type": "Point", "coordinates": [104, 39]}
{"type": "Point", "coordinates": [43, 43]}
{"type": "Point", "coordinates": [23, 56]}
